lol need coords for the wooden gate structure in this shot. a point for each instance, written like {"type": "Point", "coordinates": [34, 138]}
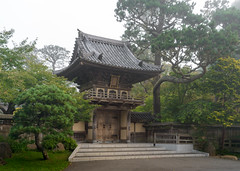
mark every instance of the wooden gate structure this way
{"type": "Point", "coordinates": [106, 70]}
{"type": "Point", "coordinates": [107, 126]}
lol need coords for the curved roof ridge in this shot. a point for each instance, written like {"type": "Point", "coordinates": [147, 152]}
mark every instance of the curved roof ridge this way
{"type": "Point", "coordinates": [101, 39]}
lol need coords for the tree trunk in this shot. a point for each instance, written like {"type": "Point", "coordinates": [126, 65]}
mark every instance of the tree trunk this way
{"type": "Point", "coordinates": [157, 104]}
{"type": "Point", "coordinates": [40, 147]}
{"type": "Point", "coordinates": [11, 108]}
{"type": "Point", "coordinates": [156, 92]}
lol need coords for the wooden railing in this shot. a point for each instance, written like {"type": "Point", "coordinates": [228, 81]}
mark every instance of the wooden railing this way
{"type": "Point", "coordinates": [108, 95]}
{"type": "Point", "coordinates": [172, 138]}
{"type": "Point", "coordinates": [232, 143]}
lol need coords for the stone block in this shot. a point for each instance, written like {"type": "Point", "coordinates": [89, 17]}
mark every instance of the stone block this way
{"type": "Point", "coordinates": [60, 147]}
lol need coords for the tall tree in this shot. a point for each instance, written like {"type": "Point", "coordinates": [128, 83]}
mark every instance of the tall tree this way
{"type": "Point", "coordinates": [211, 6]}
{"type": "Point", "coordinates": [229, 19]}
{"type": "Point", "coordinates": [54, 56]}
{"type": "Point", "coordinates": [13, 58]}
{"type": "Point", "coordinates": [12, 64]}
{"type": "Point", "coordinates": [175, 35]}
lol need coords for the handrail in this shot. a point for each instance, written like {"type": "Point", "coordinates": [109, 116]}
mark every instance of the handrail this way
{"type": "Point", "coordinates": [172, 138]}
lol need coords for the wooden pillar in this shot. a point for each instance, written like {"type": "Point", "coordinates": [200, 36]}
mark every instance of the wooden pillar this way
{"type": "Point", "coordinates": [90, 130]}
{"type": "Point", "coordinates": [124, 127]}
{"type": "Point", "coordinates": [94, 127]}
{"type": "Point", "coordinates": [129, 127]}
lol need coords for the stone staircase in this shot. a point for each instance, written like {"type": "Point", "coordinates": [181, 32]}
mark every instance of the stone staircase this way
{"type": "Point", "coordinates": [92, 152]}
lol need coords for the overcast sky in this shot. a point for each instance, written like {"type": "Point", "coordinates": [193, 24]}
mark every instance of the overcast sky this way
{"type": "Point", "coordinates": [56, 21]}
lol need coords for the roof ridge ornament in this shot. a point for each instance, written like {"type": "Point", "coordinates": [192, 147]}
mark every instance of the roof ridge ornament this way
{"type": "Point", "coordinates": [80, 34]}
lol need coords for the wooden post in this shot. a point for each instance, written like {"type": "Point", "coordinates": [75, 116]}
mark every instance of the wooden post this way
{"type": "Point", "coordinates": [128, 127]}
{"type": "Point", "coordinates": [177, 138]}
{"type": "Point", "coordinates": [154, 139]}
{"type": "Point", "coordinates": [94, 127]}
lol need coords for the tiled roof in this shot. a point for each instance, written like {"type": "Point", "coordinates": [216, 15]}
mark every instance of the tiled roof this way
{"type": "Point", "coordinates": [108, 52]}
{"type": "Point", "coordinates": [141, 117]}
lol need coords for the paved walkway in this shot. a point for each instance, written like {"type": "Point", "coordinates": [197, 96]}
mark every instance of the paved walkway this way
{"type": "Point", "coordinates": [162, 164]}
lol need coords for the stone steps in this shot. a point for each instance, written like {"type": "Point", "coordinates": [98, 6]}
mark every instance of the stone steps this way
{"type": "Point", "coordinates": [117, 149]}
{"type": "Point", "coordinates": [92, 152]}
{"type": "Point", "coordinates": [116, 145]}
{"type": "Point", "coordinates": [78, 159]}
{"type": "Point", "coordinates": [121, 153]}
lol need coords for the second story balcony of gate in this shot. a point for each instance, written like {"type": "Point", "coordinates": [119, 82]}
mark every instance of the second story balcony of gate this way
{"type": "Point", "coordinates": [112, 96]}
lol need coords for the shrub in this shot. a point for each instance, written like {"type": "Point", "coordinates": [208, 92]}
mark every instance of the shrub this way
{"type": "Point", "coordinates": [50, 142]}
{"type": "Point", "coordinates": [16, 145]}
{"type": "Point", "coordinates": [69, 143]}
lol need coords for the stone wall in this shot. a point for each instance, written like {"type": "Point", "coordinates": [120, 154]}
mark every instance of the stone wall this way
{"type": "Point", "coordinates": [5, 124]}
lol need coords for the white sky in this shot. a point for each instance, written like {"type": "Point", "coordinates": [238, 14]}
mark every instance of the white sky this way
{"type": "Point", "coordinates": [56, 21]}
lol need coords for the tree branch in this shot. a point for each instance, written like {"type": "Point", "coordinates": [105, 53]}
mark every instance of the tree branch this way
{"type": "Point", "coordinates": [178, 80]}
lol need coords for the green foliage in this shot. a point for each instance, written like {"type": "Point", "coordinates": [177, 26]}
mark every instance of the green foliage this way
{"type": "Point", "coordinates": [13, 58]}
{"type": "Point", "coordinates": [229, 19]}
{"type": "Point", "coordinates": [218, 96]}
{"type": "Point", "coordinates": [196, 112]}
{"type": "Point", "coordinates": [147, 107]}
{"type": "Point", "coordinates": [142, 89]}
{"type": "Point", "coordinates": [16, 145]}
{"type": "Point", "coordinates": [177, 36]}
{"type": "Point", "coordinates": [46, 110]}
{"type": "Point", "coordinates": [50, 142]}
{"type": "Point", "coordinates": [69, 143]}
{"type": "Point", "coordinates": [83, 108]}
{"type": "Point", "coordinates": [224, 82]}
{"type": "Point", "coordinates": [31, 161]}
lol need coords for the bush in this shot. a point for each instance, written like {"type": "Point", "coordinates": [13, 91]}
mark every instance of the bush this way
{"type": "Point", "coordinates": [69, 143]}
{"type": "Point", "coordinates": [16, 145]}
{"type": "Point", "coordinates": [50, 142]}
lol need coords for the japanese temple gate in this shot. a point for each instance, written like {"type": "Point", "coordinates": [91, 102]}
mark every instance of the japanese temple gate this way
{"type": "Point", "coordinates": [106, 69]}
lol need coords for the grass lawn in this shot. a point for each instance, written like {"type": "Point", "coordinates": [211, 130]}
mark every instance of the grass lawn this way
{"type": "Point", "coordinates": [32, 161]}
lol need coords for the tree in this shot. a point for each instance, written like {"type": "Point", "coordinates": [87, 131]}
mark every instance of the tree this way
{"type": "Point", "coordinates": [45, 110]}
{"type": "Point", "coordinates": [229, 19]}
{"type": "Point", "coordinates": [15, 81]}
{"type": "Point", "coordinates": [54, 56]}
{"type": "Point", "coordinates": [13, 58]}
{"type": "Point", "coordinates": [12, 63]}
{"type": "Point", "coordinates": [224, 83]}
{"type": "Point", "coordinates": [211, 6]}
{"type": "Point", "coordinates": [175, 35]}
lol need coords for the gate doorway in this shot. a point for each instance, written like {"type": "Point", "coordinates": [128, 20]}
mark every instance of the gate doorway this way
{"type": "Point", "coordinates": [107, 126]}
